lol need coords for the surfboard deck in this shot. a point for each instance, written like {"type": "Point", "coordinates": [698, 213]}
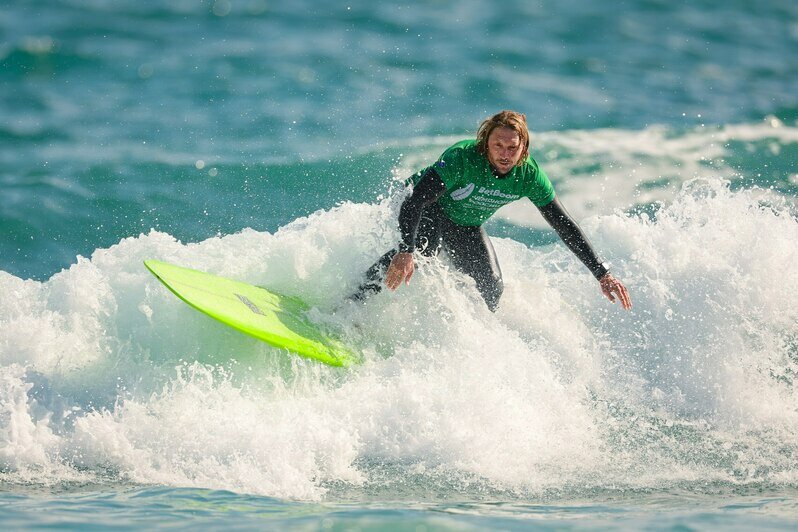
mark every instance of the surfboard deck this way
{"type": "Point", "coordinates": [274, 318]}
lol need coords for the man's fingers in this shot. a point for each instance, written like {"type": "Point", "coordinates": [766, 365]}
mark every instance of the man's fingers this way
{"type": "Point", "coordinates": [614, 289]}
{"type": "Point", "coordinates": [392, 279]}
{"type": "Point", "coordinates": [623, 296]}
{"type": "Point", "coordinates": [625, 299]}
{"type": "Point", "coordinates": [397, 274]}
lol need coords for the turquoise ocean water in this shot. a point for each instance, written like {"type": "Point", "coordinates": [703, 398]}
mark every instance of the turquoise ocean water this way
{"type": "Point", "coordinates": [267, 141]}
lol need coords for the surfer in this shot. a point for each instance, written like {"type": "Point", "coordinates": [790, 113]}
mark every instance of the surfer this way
{"type": "Point", "coordinates": [454, 197]}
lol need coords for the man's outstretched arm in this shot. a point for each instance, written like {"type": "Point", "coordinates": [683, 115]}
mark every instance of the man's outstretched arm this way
{"type": "Point", "coordinates": [573, 237]}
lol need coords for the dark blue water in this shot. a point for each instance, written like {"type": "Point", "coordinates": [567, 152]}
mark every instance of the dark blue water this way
{"type": "Point", "coordinates": [108, 106]}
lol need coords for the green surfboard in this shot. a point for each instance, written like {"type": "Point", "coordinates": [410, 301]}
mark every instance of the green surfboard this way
{"type": "Point", "coordinates": [274, 318]}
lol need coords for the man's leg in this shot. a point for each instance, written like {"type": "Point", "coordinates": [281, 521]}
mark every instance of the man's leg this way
{"type": "Point", "coordinates": [428, 243]}
{"type": "Point", "coordinates": [471, 251]}
{"type": "Point", "coordinates": [374, 276]}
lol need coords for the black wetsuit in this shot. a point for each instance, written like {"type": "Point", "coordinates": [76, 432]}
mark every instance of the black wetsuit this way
{"type": "Point", "coordinates": [425, 228]}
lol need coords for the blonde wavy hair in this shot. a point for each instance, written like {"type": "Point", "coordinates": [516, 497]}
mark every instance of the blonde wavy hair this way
{"type": "Point", "coordinates": [509, 119]}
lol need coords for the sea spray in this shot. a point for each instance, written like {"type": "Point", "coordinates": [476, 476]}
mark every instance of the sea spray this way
{"type": "Point", "coordinates": [27, 439]}
{"type": "Point", "coordinates": [558, 391]}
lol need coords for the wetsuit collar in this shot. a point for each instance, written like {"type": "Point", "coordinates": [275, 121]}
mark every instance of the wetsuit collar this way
{"type": "Point", "coordinates": [497, 174]}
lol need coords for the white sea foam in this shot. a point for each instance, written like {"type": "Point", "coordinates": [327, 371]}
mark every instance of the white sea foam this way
{"type": "Point", "coordinates": [106, 373]}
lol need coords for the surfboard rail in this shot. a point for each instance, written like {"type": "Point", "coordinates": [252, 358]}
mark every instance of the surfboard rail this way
{"type": "Point", "coordinates": [276, 319]}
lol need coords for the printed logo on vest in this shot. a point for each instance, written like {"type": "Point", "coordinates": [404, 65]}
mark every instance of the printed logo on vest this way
{"type": "Point", "coordinates": [462, 193]}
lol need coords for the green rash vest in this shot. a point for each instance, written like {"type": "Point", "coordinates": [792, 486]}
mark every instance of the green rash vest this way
{"type": "Point", "coordinates": [474, 193]}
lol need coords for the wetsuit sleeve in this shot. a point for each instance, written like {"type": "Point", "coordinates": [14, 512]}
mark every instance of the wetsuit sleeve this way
{"type": "Point", "coordinates": [427, 190]}
{"type": "Point", "coordinates": [570, 233]}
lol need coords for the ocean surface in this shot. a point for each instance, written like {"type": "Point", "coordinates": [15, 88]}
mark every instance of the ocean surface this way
{"type": "Point", "coordinates": [268, 141]}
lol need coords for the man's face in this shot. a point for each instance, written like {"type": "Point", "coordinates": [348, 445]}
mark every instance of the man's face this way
{"type": "Point", "coordinates": [504, 149]}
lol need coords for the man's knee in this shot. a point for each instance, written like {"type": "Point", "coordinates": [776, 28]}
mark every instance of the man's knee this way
{"type": "Point", "coordinates": [491, 289]}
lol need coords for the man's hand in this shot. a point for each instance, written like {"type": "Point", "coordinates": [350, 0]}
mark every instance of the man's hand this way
{"type": "Point", "coordinates": [400, 269]}
{"type": "Point", "coordinates": [613, 288]}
